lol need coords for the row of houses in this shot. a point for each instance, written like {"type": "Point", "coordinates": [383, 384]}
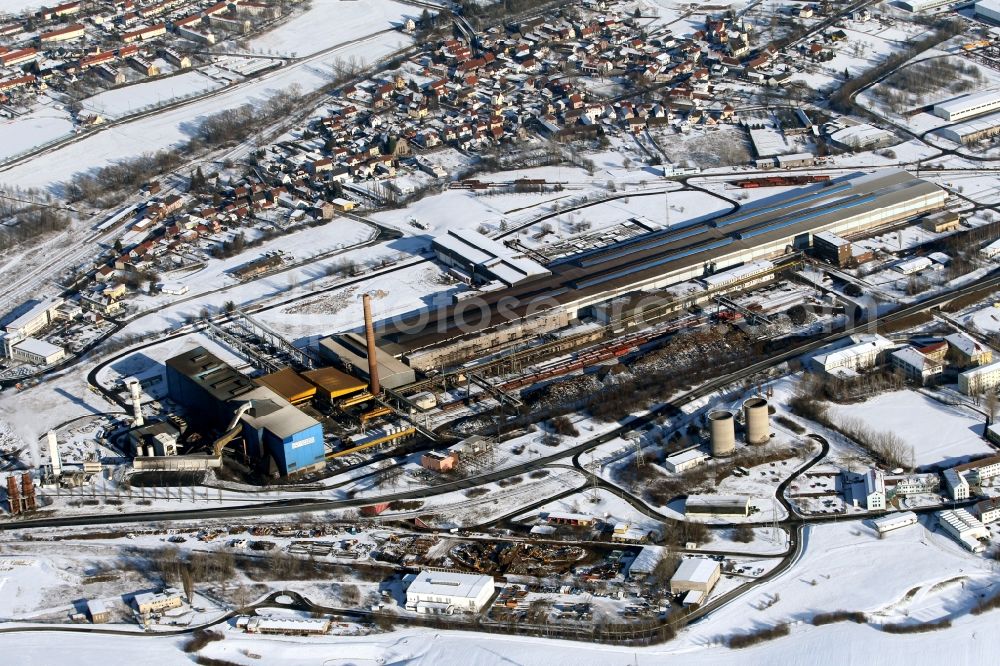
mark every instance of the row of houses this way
{"type": "Point", "coordinates": [102, 34]}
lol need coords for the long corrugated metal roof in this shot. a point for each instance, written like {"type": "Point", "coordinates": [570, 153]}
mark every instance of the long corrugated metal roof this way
{"type": "Point", "coordinates": [662, 253]}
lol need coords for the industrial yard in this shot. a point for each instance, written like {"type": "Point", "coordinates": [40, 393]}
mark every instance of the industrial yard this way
{"type": "Point", "coordinates": [425, 332]}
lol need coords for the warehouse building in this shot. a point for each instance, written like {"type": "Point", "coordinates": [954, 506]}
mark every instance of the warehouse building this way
{"type": "Point", "coordinates": [685, 460]}
{"type": "Point", "coordinates": [942, 222]}
{"type": "Point", "coordinates": [925, 5]}
{"type": "Point", "coordinates": [481, 260]}
{"type": "Point", "coordinates": [37, 352]}
{"type": "Point", "coordinates": [894, 521]}
{"type": "Point", "coordinates": [285, 626]}
{"type": "Point", "coordinates": [695, 578]}
{"type": "Point", "coordinates": [964, 528]}
{"type": "Point", "coordinates": [979, 380]}
{"type": "Point", "coordinates": [645, 562]}
{"type": "Point", "coordinates": [273, 428]}
{"type": "Point", "coordinates": [852, 204]}
{"type": "Point", "coordinates": [439, 592]}
{"type": "Point", "coordinates": [350, 351]}
{"type": "Point", "coordinates": [973, 130]}
{"type": "Point", "coordinates": [988, 10]}
{"type": "Point", "coordinates": [968, 106]}
{"type": "Point", "coordinates": [717, 506]}
{"type": "Point", "coordinates": [862, 137]}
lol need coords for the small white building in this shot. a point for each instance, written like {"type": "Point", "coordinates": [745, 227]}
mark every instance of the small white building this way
{"type": "Point", "coordinates": [875, 490]}
{"type": "Point", "coordinates": [437, 592]}
{"type": "Point", "coordinates": [894, 521]}
{"type": "Point", "coordinates": [964, 528]}
{"type": "Point", "coordinates": [685, 460]}
{"type": "Point", "coordinates": [913, 266]}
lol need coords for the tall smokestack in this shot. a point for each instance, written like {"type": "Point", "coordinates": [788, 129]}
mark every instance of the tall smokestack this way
{"type": "Point", "coordinates": [137, 420]}
{"type": "Point", "coordinates": [373, 384]}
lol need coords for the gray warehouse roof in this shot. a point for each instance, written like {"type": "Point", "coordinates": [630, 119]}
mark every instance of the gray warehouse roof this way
{"type": "Point", "coordinates": [207, 370]}
{"type": "Point", "coordinates": [351, 350]}
{"type": "Point", "coordinates": [684, 247]}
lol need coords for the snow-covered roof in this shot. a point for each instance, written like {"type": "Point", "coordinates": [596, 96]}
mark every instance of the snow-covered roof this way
{"type": "Point", "coordinates": [496, 258]}
{"type": "Point", "coordinates": [647, 559]}
{"type": "Point", "coordinates": [442, 583]}
{"type": "Point", "coordinates": [893, 520]}
{"type": "Point", "coordinates": [911, 357]}
{"type": "Point", "coordinates": [863, 346]}
{"type": "Point", "coordinates": [874, 482]}
{"type": "Point", "coordinates": [695, 570]}
{"type": "Point", "coordinates": [831, 238]}
{"type": "Point", "coordinates": [961, 521]}
{"type": "Point", "coordinates": [272, 623]}
{"type": "Point", "coordinates": [686, 456]}
{"type": "Point", "coordinates": [717, 501]}
{"type": "Point", "coordinates": [913, 265]}
{"type": "Point", "coordinates": [964, 343]}
{"type": "Point", "coordinates": [562, 515]}
{"type": "Point", "coordinates": [735, 274]}
{"type": "Point", "coordinates": [966, 102]}
{"type": "Point", "coordinates": [859, 135]}
{"type": "Point", "coordinates": [36, 311]}
{"type": "Point", "coordinates": [37, 347]}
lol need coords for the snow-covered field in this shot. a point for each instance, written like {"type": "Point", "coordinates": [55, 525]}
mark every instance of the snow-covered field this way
{"type": "Point", "coordinates": [986, 320]}
{"type": "Point", "coordinates": [939, 434]}
{"type": "Point", "coordinates": [132, 99]}
{"type": "Point", "coordinates": [330, 22]}
{"type": "Point", "coordinates": [18, 6]}
{"type": "Point", "coordinates": [37, 127]}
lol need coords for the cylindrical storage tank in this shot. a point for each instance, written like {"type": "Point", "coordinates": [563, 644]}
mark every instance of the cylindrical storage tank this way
{"type": "Point", "coordinates": [723, 429]}
{"type": "Point", "coordinates": [757, 421]}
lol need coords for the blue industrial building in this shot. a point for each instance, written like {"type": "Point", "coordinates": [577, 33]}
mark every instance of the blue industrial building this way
{"type": "Point", "coordinates": [273, 428]}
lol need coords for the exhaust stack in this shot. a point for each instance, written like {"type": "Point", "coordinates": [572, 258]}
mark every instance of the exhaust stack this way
{"type": "Point", "coordinates": [373, 385]}
{"type": "Point", "coordinates": [54, 455]}
{"type": "Point", "coordinates": [137, 420]}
